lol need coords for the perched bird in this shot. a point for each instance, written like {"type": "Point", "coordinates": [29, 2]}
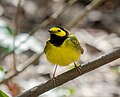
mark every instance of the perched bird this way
{"type": "Point", "coordinates": [62, 48]}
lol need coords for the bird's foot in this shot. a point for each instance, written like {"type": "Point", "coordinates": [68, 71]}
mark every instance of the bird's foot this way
{"type": "Point", "coordinates": [54, 77]}
{"type": "Point", "coordinates": [78, 68]}
{"type": "Point", "coordinates": [54, 81]}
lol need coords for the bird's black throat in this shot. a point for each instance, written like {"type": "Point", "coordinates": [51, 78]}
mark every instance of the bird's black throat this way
{"type": "Point", "coordinates": [57, 40]}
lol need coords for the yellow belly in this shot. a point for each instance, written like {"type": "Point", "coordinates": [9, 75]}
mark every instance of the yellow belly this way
{"type": "Point", "coordinates": [63, 55]}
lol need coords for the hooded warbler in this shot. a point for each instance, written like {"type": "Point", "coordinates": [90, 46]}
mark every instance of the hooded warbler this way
{"type": "Point", "coordinates": [62, 48]}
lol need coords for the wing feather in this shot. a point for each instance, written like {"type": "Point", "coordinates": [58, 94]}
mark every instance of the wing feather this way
{"type": "Point", "coordinates": [74, 41]}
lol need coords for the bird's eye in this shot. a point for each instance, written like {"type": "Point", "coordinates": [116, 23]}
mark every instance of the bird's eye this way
{"type": "Point", "coordinates": [59, 30]}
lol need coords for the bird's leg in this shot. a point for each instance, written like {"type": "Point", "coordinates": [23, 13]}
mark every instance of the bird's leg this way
{"type": "Point", "coordinates": [54, 71]}
{"type": "Point", "coordinates": [54, 78]}
{"type": "Point", "coordinates": [78, 68]}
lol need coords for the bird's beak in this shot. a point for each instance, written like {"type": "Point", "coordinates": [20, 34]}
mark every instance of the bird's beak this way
{"type": "Point", "coordinates": [51, 32]}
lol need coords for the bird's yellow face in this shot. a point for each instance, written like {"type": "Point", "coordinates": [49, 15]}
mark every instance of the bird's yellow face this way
{"type": "Point", "coordinates": [57, 31]}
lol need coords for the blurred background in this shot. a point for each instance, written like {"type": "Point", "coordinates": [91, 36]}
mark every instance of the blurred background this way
{"type": "Point", "coordinates": [23, 33]}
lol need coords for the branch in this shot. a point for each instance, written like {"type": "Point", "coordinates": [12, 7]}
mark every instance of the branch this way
{"type": "Point", "coordinates": [71, 74]}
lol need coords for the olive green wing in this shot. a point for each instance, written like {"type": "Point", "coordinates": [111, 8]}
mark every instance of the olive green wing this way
{"type": "Point", "coordinates": [74, 42]}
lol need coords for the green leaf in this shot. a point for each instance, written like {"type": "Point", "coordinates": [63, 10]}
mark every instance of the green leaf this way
{"type": "Point", "coordinates": [72, 91]}
{"type": "Point", "coordinates": [6, 38]}
{"type": "Point", "coordinates": [1, 69]}
{"type": "Point", "coordinates": [4, 25]}
{"type": "Point", "coordinates": [2, 74]}
{"type": "Point", "coordinates": [3, 94]}
{"type": "Point", "coordinates": [10, 30]}
{"type": "Point", "coordinates": [115, 68]}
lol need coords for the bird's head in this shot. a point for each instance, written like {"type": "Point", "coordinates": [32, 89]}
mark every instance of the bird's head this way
{"type": "Point", "coordinates": [58, 31]}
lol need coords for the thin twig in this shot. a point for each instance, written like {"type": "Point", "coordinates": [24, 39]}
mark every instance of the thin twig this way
{"type": "Point", "coordinates": [83, 13]}
{"type": "Point", "coordinates": [71, 74]}
{"type": "Point", "coordinates": [26, 64]}
{"type": "Point", "coordinates": [15, 33]}
{"type": "Point", "coordinates": [17, 17]}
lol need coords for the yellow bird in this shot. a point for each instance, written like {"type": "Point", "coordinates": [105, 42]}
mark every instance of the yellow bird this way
{"type": "Point", "coordinates": [62, 48]}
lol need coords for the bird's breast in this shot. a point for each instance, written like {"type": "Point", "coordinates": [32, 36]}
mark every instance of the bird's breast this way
{"type": "Point", "coordinates": [62, 55]}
